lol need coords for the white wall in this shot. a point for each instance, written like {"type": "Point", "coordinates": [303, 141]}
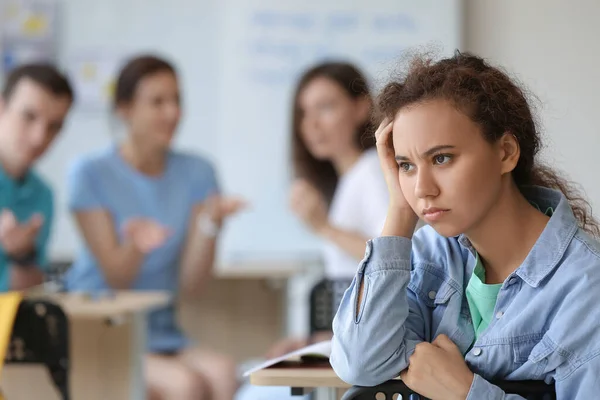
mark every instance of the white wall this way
{"type": "Point", "coordinates": [238, 60]}
{"type": "Point", "coordinates": [552, 45]}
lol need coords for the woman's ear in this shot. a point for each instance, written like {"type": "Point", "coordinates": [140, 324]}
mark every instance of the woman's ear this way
{"type": "Point", "coordinates": [509, 151]}
{"type": "Point", "coordinates": [122, 111]}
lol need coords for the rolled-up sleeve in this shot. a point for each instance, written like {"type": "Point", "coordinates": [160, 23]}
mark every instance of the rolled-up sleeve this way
{"type": "Point", "coordinates": [373, 340]}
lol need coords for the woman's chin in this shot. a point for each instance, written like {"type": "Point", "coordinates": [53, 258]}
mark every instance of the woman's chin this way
{"type": "Point", "coordinates": [321, 154]}
{"type": "Point", "coordinates": [447, 229]}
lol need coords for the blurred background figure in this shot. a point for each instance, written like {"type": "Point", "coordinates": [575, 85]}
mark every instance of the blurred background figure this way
{"type": "Point", "coordinates": [34, 104]}
{"type": "Point", "coordinates": [150, 217]}
{"type": "Point", "coordinates": [339, 191]}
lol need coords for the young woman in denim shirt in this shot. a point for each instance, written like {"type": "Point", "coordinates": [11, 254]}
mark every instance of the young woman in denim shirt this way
{"type": "Point", "coordinates": [503, 283]}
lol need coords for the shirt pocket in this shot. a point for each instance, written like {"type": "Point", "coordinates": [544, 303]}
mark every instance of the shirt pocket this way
{"type": "Point", "coordinates": [435, 291]}
{"type": "Point", "coordinates": [431, 286]}
{"type": "Point", "coordinates": [531, 355]}
{"type": "Point", "coordinates": [548, 358]}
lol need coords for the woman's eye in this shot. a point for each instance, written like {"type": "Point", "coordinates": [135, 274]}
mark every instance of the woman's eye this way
{"type": "Point", "coordinates": [442, 159]}
{"type": "Point", "coordinates": [405, 167]}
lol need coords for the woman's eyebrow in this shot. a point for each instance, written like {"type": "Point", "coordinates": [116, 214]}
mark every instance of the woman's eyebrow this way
{"type": "Point", "coordinates": [428, 153]}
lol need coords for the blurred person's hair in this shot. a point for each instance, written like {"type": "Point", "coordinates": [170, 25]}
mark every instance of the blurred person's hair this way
{"type": "Point", "coordinates": [133, 72]}
{"type": "Point", "coordinates": [45, 75]}
{"type": "Point", "coordinates": [321, 173]}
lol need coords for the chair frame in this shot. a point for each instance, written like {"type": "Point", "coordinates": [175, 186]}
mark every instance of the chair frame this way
{"type": "Point", "coordinates": [41, 336]}
{"type": "Point", "coordinates": [530, 390]}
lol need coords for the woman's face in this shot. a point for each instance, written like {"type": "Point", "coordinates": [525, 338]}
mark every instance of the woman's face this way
{"type": "Point", "coordinates": [450, 175]}
{"type": "Point", "coordinates": [155, 111]}
{"type": "Point", "coordinates": [330, 118]}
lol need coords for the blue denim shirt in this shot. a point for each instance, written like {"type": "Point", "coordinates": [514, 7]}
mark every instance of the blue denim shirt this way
{"type": "Point", "coordinates": [546, 317]}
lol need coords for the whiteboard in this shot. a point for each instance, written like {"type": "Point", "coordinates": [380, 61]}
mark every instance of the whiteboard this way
{"type": "Point", "coordinates": [239, 60]}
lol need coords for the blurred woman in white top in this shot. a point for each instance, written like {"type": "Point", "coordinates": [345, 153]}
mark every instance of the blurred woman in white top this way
{"type": "Point", "coordinates": [339, 190]}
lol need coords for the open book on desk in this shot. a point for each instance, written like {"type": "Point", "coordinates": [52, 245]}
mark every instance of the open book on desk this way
{"type": "Point", "coordinates": [321, 350]}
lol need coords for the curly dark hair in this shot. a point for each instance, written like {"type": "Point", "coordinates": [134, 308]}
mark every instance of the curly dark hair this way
{"type": "Point", "coordinates": [490, 98]}
{"type": "Point", "coordinates": [321, 173]}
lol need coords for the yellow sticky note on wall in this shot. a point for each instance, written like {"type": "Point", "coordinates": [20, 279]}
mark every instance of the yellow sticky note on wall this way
{"type": "Point", "coordinates": [35, 25]}
{"type": "Point", "coordinates": [9, 304]}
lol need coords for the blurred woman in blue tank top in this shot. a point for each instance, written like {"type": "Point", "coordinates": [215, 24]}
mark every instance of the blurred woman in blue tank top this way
{"type": "Point", "coordinates": [150, 217]}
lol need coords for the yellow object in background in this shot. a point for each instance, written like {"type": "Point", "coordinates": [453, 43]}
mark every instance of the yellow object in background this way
{"type": "Point", "coordinates": [35, 25]}
{"type": "Point", "coordinates": [9, 304]}
{"type": "Point", "coordinates": [89, 71]}
{"type": "Point", "coordinates": [109, 89]}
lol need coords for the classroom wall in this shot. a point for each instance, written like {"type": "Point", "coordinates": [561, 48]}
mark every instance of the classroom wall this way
{"type": "Point", "coordinates": [553, 45]}
{"type": "Point", "coordinates": [550, 43]}
{"type": "Point", "coordinates": [238, 61]}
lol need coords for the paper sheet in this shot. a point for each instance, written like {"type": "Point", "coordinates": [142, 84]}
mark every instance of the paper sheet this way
{"type": "Point", "coordinates": [321, 349]}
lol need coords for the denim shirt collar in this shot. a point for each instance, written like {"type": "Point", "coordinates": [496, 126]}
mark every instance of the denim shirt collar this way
{"type": "Point", "coordinates": [550, 247]}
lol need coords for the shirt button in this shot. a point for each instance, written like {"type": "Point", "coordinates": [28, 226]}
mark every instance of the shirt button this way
{"type": "Point", "coordinates": [432, 294]}
{"type": "Point", "coordinates": [499, 314]}
{"type": "Point", "coordinates": [477, 351]}
{"type": "Point", "coordinates": [512, 281]}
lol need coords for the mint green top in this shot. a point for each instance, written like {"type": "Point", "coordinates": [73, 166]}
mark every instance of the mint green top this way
{"type": "Point", "coordinates": [481, 296]}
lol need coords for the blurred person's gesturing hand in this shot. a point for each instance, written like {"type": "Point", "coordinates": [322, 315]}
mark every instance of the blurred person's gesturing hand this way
{"type": "Point", "coordinates": [220, 207]}
{"type": "Point", "coordinates": [309, 205]}
{"type": "Point", "coordinates": [145, 234]}
{"type": "Point", "coordinates": [18, 239]}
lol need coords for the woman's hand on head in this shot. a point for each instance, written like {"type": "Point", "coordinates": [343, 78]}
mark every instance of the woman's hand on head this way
{"type": "Point", "coordinates": [309, 205]}
{"type": "Point", "coordinates": [145, 234]}
{"type": "Point", "coordinates": [389, 165]}
{"type": "Point", "coordinates": [401, 219]}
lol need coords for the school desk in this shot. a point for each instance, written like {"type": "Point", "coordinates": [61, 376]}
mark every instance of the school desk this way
{"type": "Point", "coordinates": [245, 307]}
{"type": "Point", "coordinates": [107, 337]}
{"type": "Point", "coordinates": [301, 380]}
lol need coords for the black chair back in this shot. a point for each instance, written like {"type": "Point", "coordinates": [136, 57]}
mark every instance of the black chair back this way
{"type": "Point", "coordinates": [397, 390]}
{"type": "Point", "coordinates": [41, 336]}
{"type": "Point", "coordinates": [325, 298]}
